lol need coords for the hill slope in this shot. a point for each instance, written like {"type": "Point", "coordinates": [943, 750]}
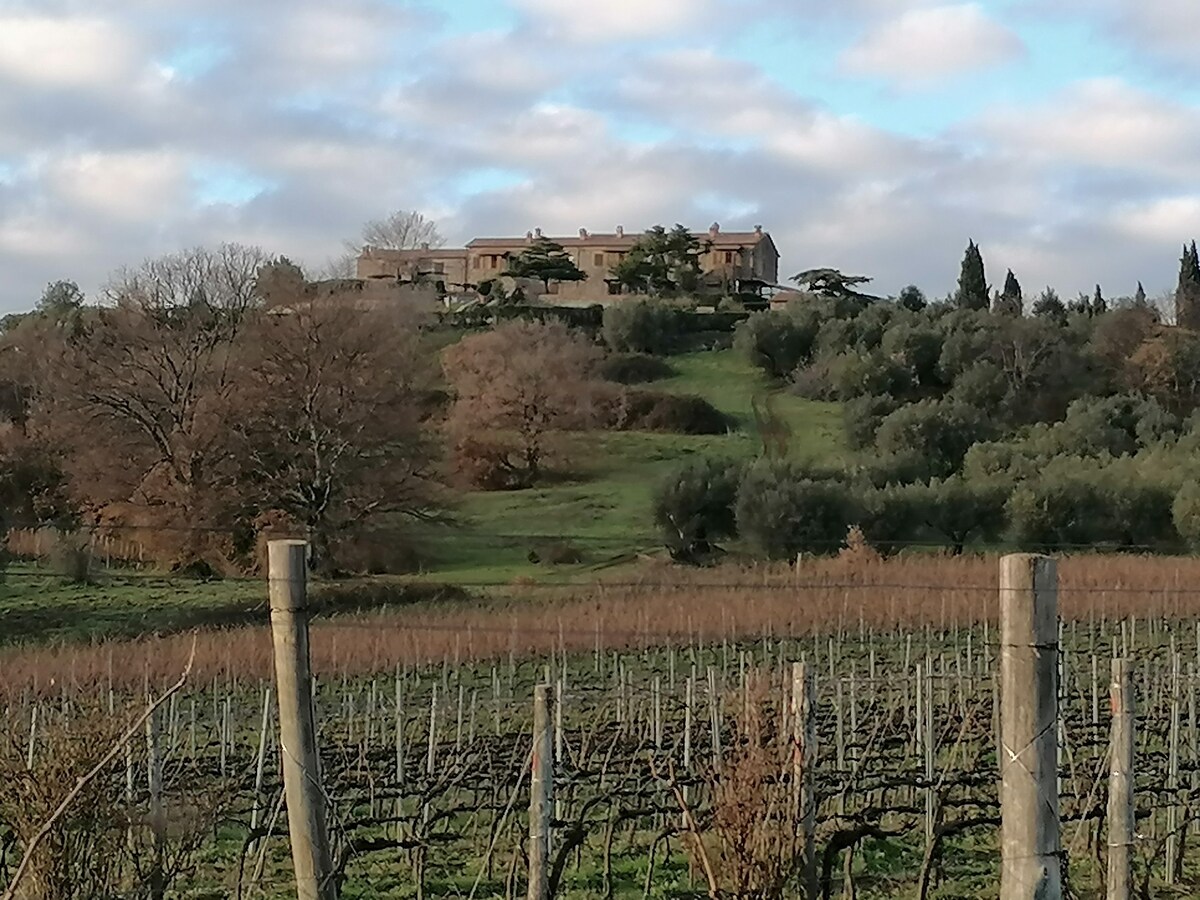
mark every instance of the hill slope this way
{"type": "Point", "coordinates": [601, 505]}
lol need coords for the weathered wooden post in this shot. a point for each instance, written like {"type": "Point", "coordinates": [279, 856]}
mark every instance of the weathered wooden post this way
{"type": "Point", "coordinates": [311, 858]}
{"type": "Point", "coordinates": [541, 793]}
{"type": "Point", "coordinates": [1029, 831]}
{"type": "Point", "coordinates": [804, 758]}
{"type": "Point", "coordinates": [1120, 785]}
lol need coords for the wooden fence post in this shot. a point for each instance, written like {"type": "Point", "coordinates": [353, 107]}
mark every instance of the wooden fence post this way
{"type": "Point", "coordinates": [1119, 883]}
{"type": "Point", "coordinates": [541, 792]}
{"type": "Point", "coordinates": [804, 759]}
{"type": "Point", "coordinates": [1029, 830]}
{"type": "Point", "coordinates": [297, 730]}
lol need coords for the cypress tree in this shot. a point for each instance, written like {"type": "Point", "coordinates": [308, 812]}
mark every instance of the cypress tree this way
{"type": "Point", "coordinates": [1187, 294]}
{"type": "Point", "coordinates": [1099, 304]}
{"type": "Point", "coordinates": [1010, 302]}
{"type": "Point", "coordinates": [1139, 298]}
{"type": "Point", "coordinates": [972, 283]}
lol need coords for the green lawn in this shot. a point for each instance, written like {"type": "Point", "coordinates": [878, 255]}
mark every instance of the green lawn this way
{"type": "Point", "coordinates": [36, 605]}
{"type": "Point", "coordinates": [600, 504]}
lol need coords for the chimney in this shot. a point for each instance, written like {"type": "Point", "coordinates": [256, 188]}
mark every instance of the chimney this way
{"type": "Point", "coordinates": [758, 230]}
{"type": "Point", "coordinates": [714, 229]}
{"type": "Point", "coordinates": [537, 232]}
{"type": "Point", "coordinates": [583, 234]}
{"type": "Point", "coordinates": [620, 231]}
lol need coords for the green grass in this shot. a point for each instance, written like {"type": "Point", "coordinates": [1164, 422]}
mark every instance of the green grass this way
{"type": "Point", "coordinates": [600, 503]}
{"type": "Point", "coordinates": [38, 605]}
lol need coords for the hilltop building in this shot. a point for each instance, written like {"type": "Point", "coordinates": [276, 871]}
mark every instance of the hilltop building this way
{"type": "Point", "coordinates": [731, 262]}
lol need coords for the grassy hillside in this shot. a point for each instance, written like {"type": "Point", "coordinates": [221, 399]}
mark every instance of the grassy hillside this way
{"type": "Point", "coordinates": [600, 504]}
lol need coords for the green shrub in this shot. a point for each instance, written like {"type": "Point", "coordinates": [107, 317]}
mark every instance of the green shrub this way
{"type": "Point", "coordinates": [836, 336]}
{"type": "Point", "coordinates": [934, 434]}
{"type": "Point", "coordinates": [693, 507]}
{"type": "Point", "coordinates": [1116, 426]}
{"type": "Point", "coordinates": [815, 380]}
{"type": "Point", "coordinates": [862, 416]}
{"type": "Point", "coordinates": [853, 374]}
{"type": "Point", "coordinates": [981, 385]}
{"type": "Point", "coordinates": [957, 510]}
{"type": "Point", "coordinates": [782, 511]}
{"type": "Point", "coordinates": [634, 410]}
{"type": "Point", "coordinates": [1185, 513]}
{"type": "Point", "coordinates": [776, 342]}
{"type": "Point", "coordinates": [634, 368]}
{"type": "Point", "coordinates": [643, 326]}
{"type": "Point", "coordinates": [917, 347]}
{"type": "Point", "coordinates": [1092, 509]}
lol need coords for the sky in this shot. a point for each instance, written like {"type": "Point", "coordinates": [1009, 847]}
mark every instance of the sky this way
{"type": "Point", "coordinates": [874, 136]}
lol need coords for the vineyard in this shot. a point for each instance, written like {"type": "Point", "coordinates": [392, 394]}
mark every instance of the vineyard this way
{"type": "Point", "coordinates": [672, 710]}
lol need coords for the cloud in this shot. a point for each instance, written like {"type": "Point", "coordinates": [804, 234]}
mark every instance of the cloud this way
{"type": "Point", "coordinates": [1168, 30]}
{"type": "Point", "coordinates": [1163, 34]}
{"type": "Point", "coordinates": [1106, 123]}
{"type": "Point", "coordinates": [1167, 221]}
{"type": "Point", "coordinates": [287, 126]}
{"type": "Point", "coordinates": [614, 20]}
{"type": "Point", "coordinates": [925, 44]}
{"type": "Point", "coordinates": [699, 92]}
{"type": "Point", "coordinates": [137, 186]}
{"type": "Point", "coordinates": [64, 52]}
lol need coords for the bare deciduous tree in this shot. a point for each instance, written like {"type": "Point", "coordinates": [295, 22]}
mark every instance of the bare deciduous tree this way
{"type": "Point", "coordinates": [513, 386]}
{"type": "Point", "coordinates": [328, 428]}
{"type": "Point", "coordinates": [402, 230]}
{"type": "Point", "coordinates": [136, 395]}
{"type": "Point", "coordinates": [223, 278]}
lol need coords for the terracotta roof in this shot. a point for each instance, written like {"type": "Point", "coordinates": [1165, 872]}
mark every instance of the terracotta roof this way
{"type": "Point", "coordinates": [388, 253]}
{"type": "Point", "coordinates": [722, 239]}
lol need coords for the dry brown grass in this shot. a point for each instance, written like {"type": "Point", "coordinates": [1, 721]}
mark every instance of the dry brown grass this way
{"type": "Point", "coordinates": [752, 843]}
{"type": "Point", "coordinates": [77, 858]}
{"type": "Point", "coordinates": [661, 603]}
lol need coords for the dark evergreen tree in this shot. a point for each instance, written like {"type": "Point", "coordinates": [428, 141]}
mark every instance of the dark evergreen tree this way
{"type": "Point", "coordinates": [912, 298]}
{"type": "Point", "coordinates": [1139, 298]}
{"type": "Point", "coordinates": [661, 263]}
{"type": "Point", "coordinates": [1187, 294]}
{"type": "Point", "coordinates": [1048, 305]}
{"type": "Point", "coordinates": [972, 282]}
{"type": "Point", "coordinates": [546, 261]}
{"type": "Point", "coordinates": [1010, 302]}
{"type": "Point", "coordinates": [1099, 304]}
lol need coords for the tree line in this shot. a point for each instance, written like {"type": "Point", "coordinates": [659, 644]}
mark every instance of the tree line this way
{"type": "Point", "coordinates": [207, 403]}
{"type": "Point", "coordinates": [186, 408]}
{"type": "Point", "coordinates": [968, 422]}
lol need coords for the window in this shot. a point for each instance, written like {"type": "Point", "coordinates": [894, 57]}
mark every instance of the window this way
{"type": "Point", "coordinates": [439, 268]}
{"type": "Point", "coordinates": [478, 262]}
{"type": "Point", "coordinates": [728, 257]}
{"type": "Point", "coordinates": [493, 262]}
{"type": "Point", "coordinates": [599, 260]}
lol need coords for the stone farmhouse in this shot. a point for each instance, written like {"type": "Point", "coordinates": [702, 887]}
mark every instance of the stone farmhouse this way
{"type": "Point", "coordinates": [731, 262]}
